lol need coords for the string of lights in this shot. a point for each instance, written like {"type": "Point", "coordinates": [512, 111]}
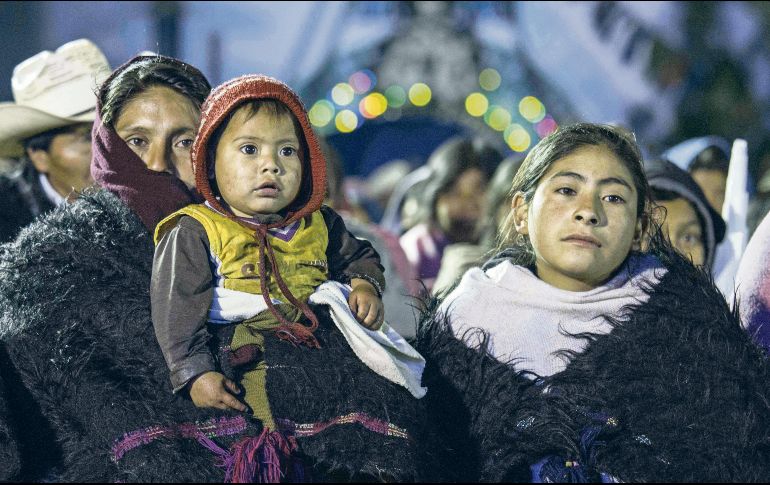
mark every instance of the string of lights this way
{"type": "Point", "coordinates": [349, 104]}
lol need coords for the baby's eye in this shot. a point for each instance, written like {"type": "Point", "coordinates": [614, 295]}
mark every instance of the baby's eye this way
{"type": "Point", "coordinates": [186, 143]}
{"type": "Point", "coordinates": [249, 149]}
{"type": "Point", "coordinates": [615, 199]}
{"type": "Point", "coordinates": [288, 151]}
{"type": "Point", "coordinates": [565, 191]}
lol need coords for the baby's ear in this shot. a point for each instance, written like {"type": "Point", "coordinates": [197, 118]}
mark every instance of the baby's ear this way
{"type": "Point", "coordinates": [520, 209]}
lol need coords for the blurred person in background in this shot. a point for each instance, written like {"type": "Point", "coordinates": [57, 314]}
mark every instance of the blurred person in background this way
{"type": "Point", "coordinates": [48, 127]}
{"type": "Point", "coordinates": [707, 159]}
{"type": "Point", "coordinates": [689, 221]}
{"type": "Point", "coordinates": [381, 183]}
{"type": "Point", "coordinates": [453, 203]}
{"type": "Point", "coordinates": [460, 257]}
{"type": "Point", "coordinates": [759, 205]}
{"type": "Point", "coordinates": [400, 278]}
{"type": "Point", "coordinates": [402, 209]}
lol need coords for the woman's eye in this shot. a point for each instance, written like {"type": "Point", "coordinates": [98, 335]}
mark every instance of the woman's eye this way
{"type": "Point", "coordinates": [249, 149]}
{"type": "Point", "coordinates": [137, 142]}
{"type": "Point", "coordinates": [615, 199]}
{"type": "Point", "coordinates": [186, 143]}
{"type": "Point", "coordinates": [565, 191]}
{"type": "Point", "coordinates": [288, 151]}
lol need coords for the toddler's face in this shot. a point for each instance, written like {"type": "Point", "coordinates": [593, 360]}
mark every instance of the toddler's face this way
{"type": "Point", "coordinates": [582, 221]}
{"type": "Point", "coordinates": [258, 169]}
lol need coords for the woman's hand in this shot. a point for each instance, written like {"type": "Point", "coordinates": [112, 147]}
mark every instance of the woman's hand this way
{"type": "Point", "coordinates": [366, 304]}
{"type": "Point", "coordinates": [214, 390]}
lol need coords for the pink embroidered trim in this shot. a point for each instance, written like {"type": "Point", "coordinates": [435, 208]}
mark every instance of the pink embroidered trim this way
{"type": "Point", "coordinates": [368, 422]}
{"type": "Point", "coordinates": [212, 428]}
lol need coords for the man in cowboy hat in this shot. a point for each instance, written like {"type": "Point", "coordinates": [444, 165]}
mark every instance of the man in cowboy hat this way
{"type": "Point", "coordinates": [48, 127]}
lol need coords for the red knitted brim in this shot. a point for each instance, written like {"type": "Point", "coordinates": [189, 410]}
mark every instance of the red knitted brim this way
{"type": "Point", "coordinates": [227, 97]}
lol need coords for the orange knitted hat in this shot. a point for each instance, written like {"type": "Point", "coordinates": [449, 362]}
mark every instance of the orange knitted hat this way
{"type": "Point", "coordinates": [228, 97]}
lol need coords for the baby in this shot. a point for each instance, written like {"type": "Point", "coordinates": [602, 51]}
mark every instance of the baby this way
{"type": "Point", "coordinates": [263, 231]}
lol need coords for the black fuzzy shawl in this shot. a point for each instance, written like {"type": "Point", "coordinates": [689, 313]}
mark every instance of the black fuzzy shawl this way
{"type": "Point", "coordinates": [80, 368]}
{"type": "Point", "coordinates": [676, 392]}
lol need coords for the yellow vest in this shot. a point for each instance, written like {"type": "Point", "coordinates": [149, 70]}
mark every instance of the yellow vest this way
{"type": "Point", "coordinates": [300, 252]}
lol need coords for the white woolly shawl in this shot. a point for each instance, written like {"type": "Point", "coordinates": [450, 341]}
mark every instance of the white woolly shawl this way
{"type": "Point", "coordinates": [528, 321]}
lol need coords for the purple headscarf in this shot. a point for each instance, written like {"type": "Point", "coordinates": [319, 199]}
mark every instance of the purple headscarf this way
{"type": "Point", "coordinates": [115, 167]}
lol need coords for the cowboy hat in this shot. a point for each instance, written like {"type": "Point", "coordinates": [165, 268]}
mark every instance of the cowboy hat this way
{"type": "Point", "coordinates": [51, 90]}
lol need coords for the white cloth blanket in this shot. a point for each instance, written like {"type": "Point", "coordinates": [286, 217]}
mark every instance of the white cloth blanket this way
{"type": "Point", "coordinates": [384, 351]}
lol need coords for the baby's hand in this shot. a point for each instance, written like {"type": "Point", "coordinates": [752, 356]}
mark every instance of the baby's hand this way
{"type": "Point", "coordinates": [365, 304]}
{"type": "Point", "coordinates": [213, 390]}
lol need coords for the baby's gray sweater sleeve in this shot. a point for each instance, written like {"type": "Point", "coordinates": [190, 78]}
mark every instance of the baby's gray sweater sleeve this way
{"type": "Point", "coordinates": [181, 293]}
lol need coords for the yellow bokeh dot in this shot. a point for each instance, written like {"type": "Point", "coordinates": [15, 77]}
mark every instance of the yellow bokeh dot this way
{"type": "Point", "coordinates": [517, 137]}
{"type": "Point", "coordinates": [476, 104]}
{"type": "Point", "coordinates": [346, 121]}
{"type": "Point", "coordinates": [321, 113]}
{"type": "Point", "coordinates": [343, 94]}
{"type": "Point", "coordinates": [532, 109]}
{"type": "Point", "coordinates": [420, 94]}
{"type": "Point", "coordinates": [375, 104]}
{"type": "Point", "coordinates": [489, 79]}
{"type": "Point", "coordinates": [499, 118]}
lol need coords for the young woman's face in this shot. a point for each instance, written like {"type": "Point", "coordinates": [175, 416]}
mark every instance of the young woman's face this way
{"type": "Point", "coordinates": [159, 125]}
{"type": "Point", "coordinates": [684, 230]}
{"type": "Point", "coordinates": [460, 209]}
{"type": "Point", "coordinates": [582, 221]}
{"type": "Point", "coordinates": [257, 166]}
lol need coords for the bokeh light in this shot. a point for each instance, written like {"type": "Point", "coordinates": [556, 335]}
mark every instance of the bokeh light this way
{"type": "Point", "coordinates": [362, 81]}
{"type": "Point", "coordinates": [476, 104]}
{"type": "Point", "coordinates": [346, 121]}
{"type": "Point", "coordinates": [321, 113]}
{"type": "Point", "coordinates": [396, 96]}
{"type": "Point", "coordinates": [532, 109]}
{"type": "Point", "coordinates": [420, 94]}
{"type": "Point", "coordinates": [546, 127]}
{"type": "Point", "coordinates": [498, 118]}
{"type": "Point", "coordinates": [343, 94]}
{"type": "Point", "coordinates": [489, 79]}
{"type": "Point", "coordinates": [517, 137]}
{"type": "Point", "coordinates": [373, 105]}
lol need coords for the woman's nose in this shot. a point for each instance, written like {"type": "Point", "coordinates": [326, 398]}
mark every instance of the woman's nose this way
{"type": "Point", "coordinates": [588, 212]}
{"type": "Point", "coordinates": [156, 159]}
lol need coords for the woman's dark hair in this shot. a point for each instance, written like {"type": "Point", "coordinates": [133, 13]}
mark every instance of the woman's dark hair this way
{"type": "Point", "coordinates": [498, 194]}
{"type": "Point", "coordinates": [711, 158]}
{"type": "Point", "coordinates": [449, 161]}
{"type": "Point", "coordinates": [144, 72]}
{"type": "Point", "coordinates": [560, 144]}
